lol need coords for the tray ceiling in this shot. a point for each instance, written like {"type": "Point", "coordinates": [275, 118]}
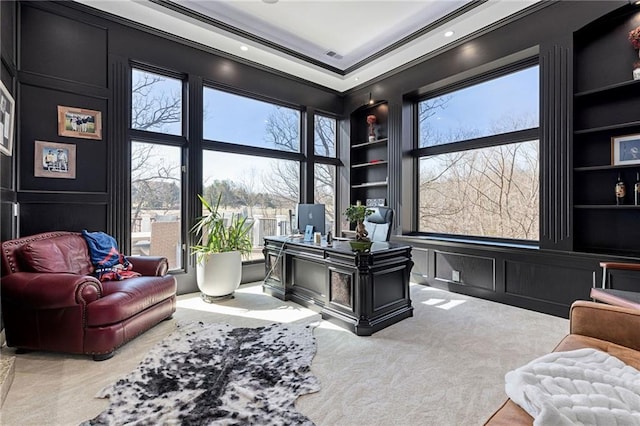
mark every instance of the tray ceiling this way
{"type": "Point", "coordinates": [339, 44]}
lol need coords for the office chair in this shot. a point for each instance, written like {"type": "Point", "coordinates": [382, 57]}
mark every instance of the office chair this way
{"type": "Point", "coordinates": [378, 224]}
{"type": "Point", "coordinates": [627, 299]}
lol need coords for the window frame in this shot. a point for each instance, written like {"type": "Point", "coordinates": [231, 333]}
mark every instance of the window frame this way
{"type": "Point", "coordinates": [517, 136]}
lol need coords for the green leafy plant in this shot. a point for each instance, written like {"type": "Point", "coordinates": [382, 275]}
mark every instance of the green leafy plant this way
{"type": "Point", "coordinates": [356, 213]}
{"type": "Point", "coordinates": [216, 237]}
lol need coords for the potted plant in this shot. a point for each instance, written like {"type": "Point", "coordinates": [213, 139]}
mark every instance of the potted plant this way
{"type": "Point", "coordinates": [356, 213]}
{"type": "Point", "coordinates": [219, 250]}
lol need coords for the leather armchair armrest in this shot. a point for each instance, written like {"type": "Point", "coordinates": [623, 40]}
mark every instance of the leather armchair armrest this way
{"type": "Point", "coordinates": [606, 322]}
{"type": "Point", "coordinates": [50, 290]}
{"type": "Point", "coordinates": [149, 266]}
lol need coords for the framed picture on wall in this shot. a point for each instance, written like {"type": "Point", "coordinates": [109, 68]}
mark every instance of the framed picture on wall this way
{"type": "Point", "coordinates": [625, 150]}
{"type": "Point", "coordinates": [7, 113]}
{"type": "Point", "coordinates": [54, 160]}
{"type": "Point", "coordinates": [79, 123]}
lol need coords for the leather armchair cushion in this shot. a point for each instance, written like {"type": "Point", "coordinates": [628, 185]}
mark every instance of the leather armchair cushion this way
{"type": "Point", "coordinates": [63, 254]}
{"type": "Point", "coordinates": [124, 299]}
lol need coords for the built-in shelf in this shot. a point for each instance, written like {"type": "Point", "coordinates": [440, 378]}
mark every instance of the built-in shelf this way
{"type": "Point", "coordinates": [369, 184]}
{"type": "Point", "coordinates": [369, 164]}
{"type": "Point", "coordinates": [360, 145]}
{"type": "Point", "coordinates": [610, 87]}
{"type": "Point", "coordinates": [605, 207]}
{"type": "Point", "coordinates": [607, 128]}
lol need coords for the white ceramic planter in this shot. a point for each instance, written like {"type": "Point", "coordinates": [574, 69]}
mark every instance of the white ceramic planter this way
{"type": "Point", "coordinates": [220, 275]}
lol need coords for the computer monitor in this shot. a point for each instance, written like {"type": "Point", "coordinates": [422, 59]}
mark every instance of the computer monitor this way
{"type": "Point", "coordinates": [311, 214]}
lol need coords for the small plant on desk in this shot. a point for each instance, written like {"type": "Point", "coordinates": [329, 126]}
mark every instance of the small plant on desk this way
{"type": "Point", "coordinates": [356, 214]}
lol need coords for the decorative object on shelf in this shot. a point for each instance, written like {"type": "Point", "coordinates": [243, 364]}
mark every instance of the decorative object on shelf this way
{"type": "Point", "coordinates": [371, 120]}
{"type": "Point", "coordinates": [219, 251]}
{"type": "Point", "coordinates": [79, 123]}
{"type": "Point", "coordinates": [54, 160]}
{"type": "Point", "coordinates": [356, 214]}
{"type": "Point", "coordinates": [636, 190]}
{"type": "Point", "coordinates": [621, 191]}
{"type": "Point", "coordinates": [634, 38]}
{"type": "Point", "coordinates": [625, 150]}
{"type": "Point", "coordinates": [7, 112]}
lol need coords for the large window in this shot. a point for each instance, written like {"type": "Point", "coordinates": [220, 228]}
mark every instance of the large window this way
{"type": "Point", "coordinates": [478, 160]}
{"type": "Point", "coordinates": [156, 166]}
{"type": "Point", "coordinates": [246, 121]}
{"type": "Point", "coordinates": [265, 190]}
{"type": "Point", "coordinates": [264, 186]}
{"type": "Point", "coordinates": [324, 145]}
{"type": "Point", "coordinates": [155, 201]}
{"type": "Point", "coordinates": [156, 103]}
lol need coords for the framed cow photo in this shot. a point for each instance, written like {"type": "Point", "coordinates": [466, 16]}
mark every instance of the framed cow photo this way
{"type": "Point", "coordinates": [79, 123]}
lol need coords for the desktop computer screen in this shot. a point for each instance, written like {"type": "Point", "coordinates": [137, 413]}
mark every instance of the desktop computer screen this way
{"type": "Point", "coordinates": [311, 214]}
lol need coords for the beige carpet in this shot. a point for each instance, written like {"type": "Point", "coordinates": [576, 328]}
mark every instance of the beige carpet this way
{"type": "Point", "coordinates": [443, 366]}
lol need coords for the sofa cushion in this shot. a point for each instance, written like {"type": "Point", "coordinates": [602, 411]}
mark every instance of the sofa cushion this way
{"type": "Point", "coordinates": [63, 254]}
{"type": "Point", "coordinates": [123, 299]}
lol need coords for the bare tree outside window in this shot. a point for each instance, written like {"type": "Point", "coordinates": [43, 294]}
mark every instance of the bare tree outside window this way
{"type": "Point", "coordinates": [156, 105]}
{"type": "Point", "coordinates": [491, 191]}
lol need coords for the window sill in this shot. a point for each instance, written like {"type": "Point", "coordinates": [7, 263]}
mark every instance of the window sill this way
{"type": "Point", "coordinates": [469, 240]}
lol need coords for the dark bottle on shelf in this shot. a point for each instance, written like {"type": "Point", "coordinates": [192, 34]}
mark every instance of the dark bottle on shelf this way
{"type": "Point", "coordinates": [621, 191]}
{"type": "Point", "coordinates": [636, 190]}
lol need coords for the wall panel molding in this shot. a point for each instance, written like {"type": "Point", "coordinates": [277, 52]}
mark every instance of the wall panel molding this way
{"type": "Point", "coordinates": [119, 174]}
{"type": "Point", "coordinates": [556, 144]}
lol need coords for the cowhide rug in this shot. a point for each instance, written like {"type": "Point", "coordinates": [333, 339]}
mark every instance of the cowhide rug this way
{"type": "Point", "coordinates": [216, 374]}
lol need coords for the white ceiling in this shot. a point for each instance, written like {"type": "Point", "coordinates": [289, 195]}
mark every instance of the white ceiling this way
{"type": "Point", "coordinates": [369, 38]}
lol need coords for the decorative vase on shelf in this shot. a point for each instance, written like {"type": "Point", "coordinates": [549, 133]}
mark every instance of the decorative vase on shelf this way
{"type": "Point", "coordinates": [371, 121]}
{"type": "Point", "coordinates": [634, 39]}
{"type": "Point", "coordinates": [621, 191]}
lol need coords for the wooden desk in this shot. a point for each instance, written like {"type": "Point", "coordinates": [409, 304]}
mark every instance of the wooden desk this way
{"type": "Point", "coordinates": [363, 292]}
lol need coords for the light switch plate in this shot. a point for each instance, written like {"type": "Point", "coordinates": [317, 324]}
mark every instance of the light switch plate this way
{"type": "Point", "coordinates": [455, 276]}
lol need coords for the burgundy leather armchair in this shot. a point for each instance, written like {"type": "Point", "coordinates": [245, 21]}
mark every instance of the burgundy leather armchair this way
{"type": "Point", "coordinates": [51, 302]}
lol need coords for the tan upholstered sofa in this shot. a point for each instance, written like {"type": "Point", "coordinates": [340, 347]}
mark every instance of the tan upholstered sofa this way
{"type": "Point", "coordinates": [612, 329]}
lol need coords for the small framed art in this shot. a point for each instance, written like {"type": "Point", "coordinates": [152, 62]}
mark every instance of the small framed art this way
{"type": "Point", "coordinates": [79, 123]}
{"type": "Point", "coordinates": [625, 150]}
{"type": "Point", "coordinates": [7, 113]}
{"type": "Point", "coordinates": [54, 160]}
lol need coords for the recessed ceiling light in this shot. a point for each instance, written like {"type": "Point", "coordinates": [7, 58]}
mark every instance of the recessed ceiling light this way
{"type": "Point", "coordinates": [356, 79]}
{"type": "Point", "coordinates": [244, 48]}
{"type": "Point", "coordinates": [270, 1]}
{"type": "Point", "coordinates": [449, 33]}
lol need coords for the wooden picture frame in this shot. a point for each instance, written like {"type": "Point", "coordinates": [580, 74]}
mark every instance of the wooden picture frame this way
{"type": "Point", "coordinates": [54, 160]}
{"type": "Point", "coordinates": [79, 123]}
{"type": "Point", "coordinates": [7, 118]}
{"type": "Point", "coordinates": [625, 150]}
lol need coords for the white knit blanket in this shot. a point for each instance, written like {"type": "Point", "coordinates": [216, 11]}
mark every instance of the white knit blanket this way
{"type": "Point", "coordinates": [581, 387]}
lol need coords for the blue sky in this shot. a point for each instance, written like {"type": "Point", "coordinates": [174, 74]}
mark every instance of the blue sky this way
{"type": "Point", "coordinates": [515, 94]}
